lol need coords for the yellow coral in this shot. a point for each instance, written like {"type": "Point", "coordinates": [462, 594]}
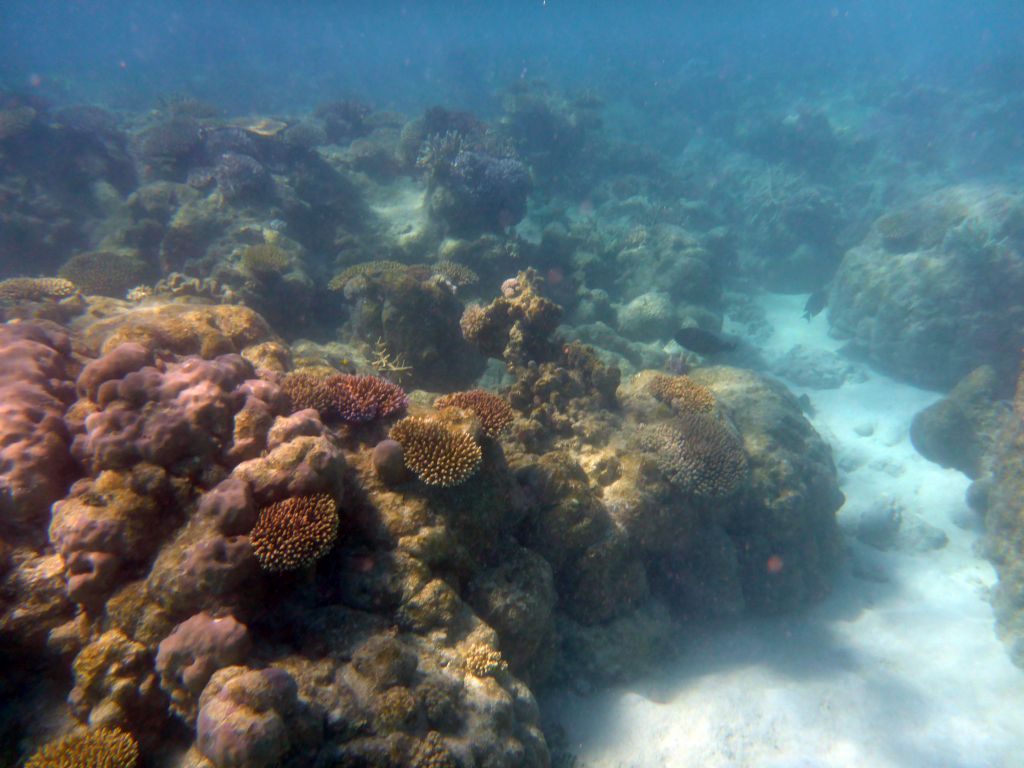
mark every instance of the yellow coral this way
{"type": "Point", "coordinates": [438, 453]}
{"type": "Point", "coordinates": [99, 748]}
{"type": "Point", "coordinates": [483, 661]}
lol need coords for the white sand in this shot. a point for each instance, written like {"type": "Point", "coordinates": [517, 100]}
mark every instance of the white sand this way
{"type": "Point", "coordinates": [899, 667]}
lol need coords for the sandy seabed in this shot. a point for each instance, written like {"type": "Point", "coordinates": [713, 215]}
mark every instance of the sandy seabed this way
{"type": "Point", "coordinates": [899, 667]}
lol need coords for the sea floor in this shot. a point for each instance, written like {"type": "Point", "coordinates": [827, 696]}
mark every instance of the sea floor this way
{"type": "Point", "coordinates": [899, 667]}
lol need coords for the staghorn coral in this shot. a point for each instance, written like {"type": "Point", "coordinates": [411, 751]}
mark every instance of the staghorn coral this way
{"type": "Point", "coordinates": [103, 273]}
{"type": "Point", "coordinates": [439, 454]}
{"type": "Point", "coordinates": [96, 748]}
{"type": "Point", "coordinates": [682, 393]}
{"type": "Point", "coordinates": [35, 288]}
{"type": "Point", "coordinates": [701, 454]}
{"type": "Point", "coordinates": [296, 532]}
{"type": "Point", "coordinates": [493, 412]}
{"type": "Point", "coordinates": [344, 397]}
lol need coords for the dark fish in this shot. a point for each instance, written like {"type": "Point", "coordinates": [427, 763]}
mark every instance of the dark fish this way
{"type": "Point", "coordinates": [703, 342]}
{"type": "Point", "coordinates": [806, 405]}
{"type": "Point", "coordinates": [816, 302]}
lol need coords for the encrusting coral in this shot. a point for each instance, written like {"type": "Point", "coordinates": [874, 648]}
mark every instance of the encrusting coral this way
{"type": "Point", "coordinates": [493, 411]}
{"type": "Point", "coordinates": [439, 453]}
{"type": "Point", "coordinates": [295, 533]}
{"type": "Point", "coordinates": [96, 748]}
{"type": "Point", "coordinates": [699, 454]}
{"type": "Point", "coordinates": [682, 393]}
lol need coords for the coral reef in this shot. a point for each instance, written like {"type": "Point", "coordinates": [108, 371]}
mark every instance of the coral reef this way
{"type": "Point", "coordinates": [294, 533]}
{"type": "Point", "coordinates": [439, 453]}
{"type": "Point", "coordinates": [97, 748]}
{"type": "Point", "coordinates": [343, 397]}
{"type": "Point", "coordinates": [493, 411]}
{"type": "Point", "coordinates": [35, 288]}
{"type": "Point", "coordinates": [104, 273]}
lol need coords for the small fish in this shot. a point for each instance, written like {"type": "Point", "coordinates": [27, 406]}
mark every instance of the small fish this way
{"type": "Point", "coordinates": [816, 302]}
{"type": "Point", "coordinates": [806, 405]}
{"type": "Point", "coordinates": [703, 342]}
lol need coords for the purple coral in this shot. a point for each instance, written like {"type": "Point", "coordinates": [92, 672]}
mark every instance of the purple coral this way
{"type": "Point", "coordinates": [187, 658]}
{"type": "Point", "coordinates": [185, 412]}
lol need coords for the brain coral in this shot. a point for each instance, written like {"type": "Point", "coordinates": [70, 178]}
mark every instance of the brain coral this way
{"type": "Point", "coordinates": [344, 397]}
{"type": "Point", "coordinates": [296, 532]}
{"type": "Point", "coordinates": [682, 393]}
{"type": "Point", "coordinates": [99, 748]}
{"type": "Point", "coordinates": [493, 411]}
{"type": "Point", "coordinates": [439, 454]}
{"type": "Point", "coordinates": [700, 454]}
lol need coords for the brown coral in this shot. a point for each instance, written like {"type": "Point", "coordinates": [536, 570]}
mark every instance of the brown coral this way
{"type": "Point", "coordinates": [296, 532]}
{"type": "Point", "coordinates": [264, 260]}
{"type": "Point", "coordinates": [494, 412]}
{"type": "Point", "coordinates": [702, 455]}
{"type": "Point", "coordinates": [35, 288]}
{"type": "Point", "coordinates": [344, 397]}
{"type": "Point", "coordinates": [98, 748]}
{"type": "Point", "coordinates": [369, 269]}
{"type": "Point", "coordinates": [682, 393]}
{"type": "Point", "coordinates": [439, 454]}
{"type": "Point", "coordinates": [457, 274]}
{"type": "Point", "coordinates": [432, 752]}
{"type": "Point", "coordinates": [104, 273]}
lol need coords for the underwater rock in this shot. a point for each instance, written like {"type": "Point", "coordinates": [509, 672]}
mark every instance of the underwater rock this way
{"type": "Point", "coordinates": [815, 368]}
{"type": "Point", "coordinates": [959, 431]}
{"type": "Point", "coordinates": [923, 314]}
{"type": "Point", "coordinates": [649, 316]}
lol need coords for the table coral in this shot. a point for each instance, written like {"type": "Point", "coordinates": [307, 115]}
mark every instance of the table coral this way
{"type": "Point", "coordinates": [437, 452]}
{"type": "Point", "coordinates": [493, 411]}
{"type": "Point", "coordinates": [682, 393]}
{"type": "Point", "coordinates": [295, 533]}
{"type": "Point", "coordinates": [107, 273]}
{"type": "Point", "coordinates": [345, 397]}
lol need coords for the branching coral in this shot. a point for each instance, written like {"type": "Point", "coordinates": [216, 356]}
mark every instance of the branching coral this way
{"type": "Point", "coordinates": [439, 454]}
{"type": "Point", "coordinates": [296, 532]}
{"type": "Point", "coordinates": [493, 412]}
{"type": "Point", "coordinates": [99, 748]}
{"type": "Point", "coordinates": [344, 397]}
{"type": "Point", "coordinates": [701, 455]}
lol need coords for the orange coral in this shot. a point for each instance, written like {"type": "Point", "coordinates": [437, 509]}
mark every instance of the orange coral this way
{"type": "Point", "coordinates": [439, 454]}
{"type": "Point", "coordinates": [99, 748]}
{"type": "Point", "coordinates": [494, 412]}
{"type": "Point", "coordinates": [295, 533]}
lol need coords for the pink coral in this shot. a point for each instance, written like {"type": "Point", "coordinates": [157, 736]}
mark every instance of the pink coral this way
{"type": "Point", "coordinates": [35, 467]}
